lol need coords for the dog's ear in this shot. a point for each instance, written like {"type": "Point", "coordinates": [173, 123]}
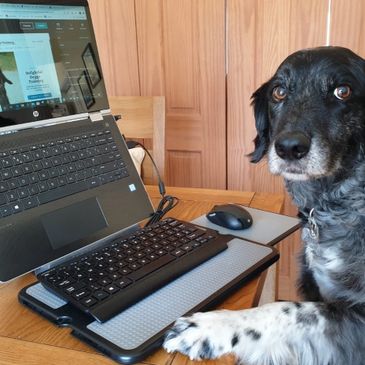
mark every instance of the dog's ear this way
{"type": "Point", "coordinates": [261, 113]}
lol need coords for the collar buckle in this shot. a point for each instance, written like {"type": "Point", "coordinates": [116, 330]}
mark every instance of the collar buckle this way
{"type": "Point", "coordinates": [313, 227]}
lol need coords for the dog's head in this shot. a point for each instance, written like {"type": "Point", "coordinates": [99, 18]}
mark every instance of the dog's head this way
{"type": "Point", "coordinates": [310, 116]}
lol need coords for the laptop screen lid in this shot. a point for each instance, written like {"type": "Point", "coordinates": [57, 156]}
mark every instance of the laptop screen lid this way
{"type": "Point", "coordinates": [50, 74]}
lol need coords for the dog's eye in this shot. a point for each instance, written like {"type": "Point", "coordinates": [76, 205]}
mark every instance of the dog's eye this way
{"type": "Point", "coordinates": [342, 92]}
{"type": "Point", "coordinates": [279, 93]}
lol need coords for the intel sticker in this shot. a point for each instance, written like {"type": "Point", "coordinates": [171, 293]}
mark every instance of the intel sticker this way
{"type": "Point", "coordinates": [132, 187]}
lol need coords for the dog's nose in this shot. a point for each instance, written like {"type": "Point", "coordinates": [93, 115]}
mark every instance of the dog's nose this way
{"type": "Point", "coordinates": [292, 146]}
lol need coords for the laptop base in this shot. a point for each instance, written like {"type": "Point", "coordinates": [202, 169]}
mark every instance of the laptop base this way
{"type": "Point", "coordinates": [138, 331]}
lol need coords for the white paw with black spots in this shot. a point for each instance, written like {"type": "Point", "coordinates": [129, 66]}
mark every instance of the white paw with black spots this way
{"type": "Point", "coordinates": [276, 334]}
{"type": "Point", "coordinates": [202, 336]}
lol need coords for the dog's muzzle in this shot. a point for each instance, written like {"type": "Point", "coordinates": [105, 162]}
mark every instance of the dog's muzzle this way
{"type": "Point", "coordinates": [292, 146]}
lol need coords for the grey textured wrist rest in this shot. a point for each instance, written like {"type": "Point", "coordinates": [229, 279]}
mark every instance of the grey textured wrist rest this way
{"type": "Point", "coordinates": [150, 317]}
{"type": "Point", "coordinates": [267, 228]}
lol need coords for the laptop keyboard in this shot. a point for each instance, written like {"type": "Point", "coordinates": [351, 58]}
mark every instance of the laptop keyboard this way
{"type": "Point", "coordinates": [114, 277]}
{"type": "Point", "coordinates": [36, 174]}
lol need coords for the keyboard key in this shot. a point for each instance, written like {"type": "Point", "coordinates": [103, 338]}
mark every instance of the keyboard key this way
{"type": "Point", "coordinates": [27, 168]}
{"type": "Point", "coordinates": [105, 281]}
{"type": "Point", "coordinates": [17, 171]}
{"type": "Point", "coordinates": [100, 295]}
{"type": "Point", "coordinates": [24, 180]}
{"type": "Point", "coordinates": [178, 252]}
{"type": "Point", "coordinates": [64, 283]}
{"type": "Point", "coordinates": [16, 207]}
{"type": "Point", "coordinates": [111, 289]}
{"type": "Point", "coordinates": [33, 178]}
{"type": "Point", "coordinates": [6, 174]}
{"type": "Point", "coordinates": [37, 166]}
{"type": "Point", "coordinates": [43, 186]}
{"type": "Point", "coordinates": [23, 193]}
{"type": "Point", "coordinates": [30, 203]}
{"type": "Point", "coordinates": [12, 196]}
{"type": "Point", "coordinates": [123, 283]}
{"type": "Point", "coordinates": [3, 186]}
{"type": "Point", "coordinates": [78, 295]}
{"type": "Point", "coordinates": [88, 302]}
{"type": "Point", "coordinates": [5, 211]}
{"type": "Point", "coordinates": [92, 183]}
{"type": "Point", "coordinates": [7, 162]}
{"type": "Point", "coordinates": [74, 287]}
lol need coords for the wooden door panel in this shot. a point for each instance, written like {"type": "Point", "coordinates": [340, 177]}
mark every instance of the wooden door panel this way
{"type": "Point", "coordinates": [347, 25]}
{"type": "Point", "coordinates": [187, 167]}
{"type": "Point", "coordinates": [174, 141]}
{"type": "Point", "coordinates": [181, 40]}
{"type": "Point", "coordinates": [115, 32]}
{"type": "Point", "coordinates": [184, 46]}
{"type": "Point", "coordinates": [150, 47]}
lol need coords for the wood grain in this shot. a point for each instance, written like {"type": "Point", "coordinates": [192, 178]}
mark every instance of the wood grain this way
{"type": "Point", "coordinates": [216, 196]}
{"type": "Point", "coordinates": [115, 32]}
{"type": "Point", "coordinates": [151, 48]}
{"type": "Point", "coordinates": [347, 25]}
{"type": "Point", "coordinates": [34, 353]}
{"type": "Point", "coordinates": [186, 167]}
{"type": "Point", "coordinates": [143, 120]}
{"type": "Point", "coordinates": [181, 56]}
{"type": "Point", "coordinates": [260, 35]}
{"type": "Point", "coordinates": [173, 48]}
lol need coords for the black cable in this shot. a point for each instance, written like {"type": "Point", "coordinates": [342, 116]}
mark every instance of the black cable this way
{"type": "Point", "coordinates": [167, 202]}
{"type": "Point", "coordinates": [161, 185]}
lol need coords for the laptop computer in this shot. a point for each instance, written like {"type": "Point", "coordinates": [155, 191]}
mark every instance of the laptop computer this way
{"type": "Point", "coordinates": [66, 175]}
{"type": "Point", "coordinates": [68, 187]}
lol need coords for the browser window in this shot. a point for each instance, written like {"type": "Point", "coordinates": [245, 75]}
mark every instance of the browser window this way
{"type": "Point", "coordinates": [49, 65]}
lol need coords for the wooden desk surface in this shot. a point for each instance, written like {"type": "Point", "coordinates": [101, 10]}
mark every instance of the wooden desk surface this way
{"type": "Point", "coordinates": [26, 338]}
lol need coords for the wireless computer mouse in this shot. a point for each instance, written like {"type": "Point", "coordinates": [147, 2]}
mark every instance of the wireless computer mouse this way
{"type": "Point", "coordinates": [230, 216]}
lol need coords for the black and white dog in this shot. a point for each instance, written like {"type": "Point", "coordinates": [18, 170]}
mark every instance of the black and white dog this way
{"type": "Point", "coordinates": [310, 120]}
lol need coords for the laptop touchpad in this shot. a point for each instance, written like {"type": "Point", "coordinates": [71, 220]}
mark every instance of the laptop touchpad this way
{"type": "Point", "coordinates": [74, 222]}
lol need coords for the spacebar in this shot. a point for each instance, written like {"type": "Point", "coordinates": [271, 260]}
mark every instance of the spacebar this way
{"type": "Point", "coordinates": [152, 266]}
{"type": "Point", "coordinates": [61, 192]}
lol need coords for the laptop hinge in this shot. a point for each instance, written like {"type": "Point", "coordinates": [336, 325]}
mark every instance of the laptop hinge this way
{"type": "Point", "coordinates": [96, 117]}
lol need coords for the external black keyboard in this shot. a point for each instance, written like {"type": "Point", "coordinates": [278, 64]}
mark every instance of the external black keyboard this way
{"type": "Point", "coordinates": [112, 278]}
{"type": "Point", "coordinates": [36, 174]}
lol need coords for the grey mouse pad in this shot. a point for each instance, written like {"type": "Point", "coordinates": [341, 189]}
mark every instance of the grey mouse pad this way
{"type": "Point", "coordinates": [267, 228]}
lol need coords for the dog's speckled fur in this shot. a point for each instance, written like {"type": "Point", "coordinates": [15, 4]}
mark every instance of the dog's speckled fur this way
{"type": "Point", "coordinates": [329, 327]}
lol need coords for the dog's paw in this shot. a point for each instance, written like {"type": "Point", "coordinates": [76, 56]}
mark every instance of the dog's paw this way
{"type": "Point", "coordinates": [202, 336]}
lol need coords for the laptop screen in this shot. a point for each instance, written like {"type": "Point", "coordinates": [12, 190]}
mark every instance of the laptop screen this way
{"type": "Point", "coordinates": [49, 64]}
